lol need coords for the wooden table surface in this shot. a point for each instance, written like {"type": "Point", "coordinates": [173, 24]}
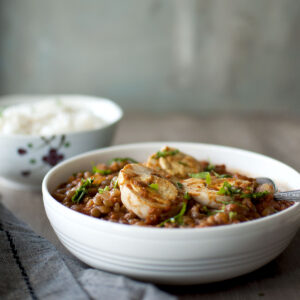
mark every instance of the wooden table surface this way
{"type": "Point", "coordinates": [277, 136]}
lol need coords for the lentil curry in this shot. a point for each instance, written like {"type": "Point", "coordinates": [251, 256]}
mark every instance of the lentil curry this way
{"type": "Point", "coordinates": [171, 189]}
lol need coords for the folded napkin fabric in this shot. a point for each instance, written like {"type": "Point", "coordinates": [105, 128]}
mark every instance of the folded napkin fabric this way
{"type": "Point", "coordinates": [32, 268]}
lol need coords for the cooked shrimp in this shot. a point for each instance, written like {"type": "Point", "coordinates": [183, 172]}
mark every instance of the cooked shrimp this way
{"type": "Point", "coordinates": [142, 190]}
{"type": "Point", "coordinates": [207, 194]}
{"type": "Point", "coordinates": [173, 162]}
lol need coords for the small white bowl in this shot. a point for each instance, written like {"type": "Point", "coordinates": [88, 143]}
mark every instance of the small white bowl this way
{"type": "Point", "coordinates": [175, 256]}
{"type": "Point", "coordinates": [25, 159]}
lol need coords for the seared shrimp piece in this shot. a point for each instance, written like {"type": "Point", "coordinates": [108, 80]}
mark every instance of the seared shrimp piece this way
{"type": "Point", "coordinates": [173, 162]}
{"type": "Point", "coordinates": [142, 190]}
{"type": "Point", "coordinates": [207, 194]}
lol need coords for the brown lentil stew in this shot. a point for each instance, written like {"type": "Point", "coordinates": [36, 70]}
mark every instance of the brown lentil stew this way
{"type": "Point", "coordinates": [96, 193]}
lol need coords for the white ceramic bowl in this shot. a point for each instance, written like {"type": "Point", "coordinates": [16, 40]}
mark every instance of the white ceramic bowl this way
{"type": "Point", "coordinates": [175, 256]}
{"type": "Point", "coordinates": [25, 159]}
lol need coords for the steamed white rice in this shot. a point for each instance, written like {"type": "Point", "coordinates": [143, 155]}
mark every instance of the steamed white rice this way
{"type": "Point", "coordinates": [47, 118]}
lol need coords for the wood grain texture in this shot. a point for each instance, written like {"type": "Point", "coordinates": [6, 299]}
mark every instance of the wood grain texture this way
{"type": "Point", "coordinates": [276, 136]}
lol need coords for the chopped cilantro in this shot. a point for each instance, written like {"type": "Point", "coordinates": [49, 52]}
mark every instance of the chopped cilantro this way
{"type": "Point", "coordinates": [116, 184]}
{"type": "Point", "coordinates": [259, 194]}
{"type": "Point", "coordinates": [102, 172]}
{"type": "Point", "coordinates": [176, 219]}
{"type": "Point", "coordinates": [205, 209]}
{"type": "Point", "coordinates": [215, 211]}
{"type": "Point", "coordinates": [202, 175]}
{"type": "Point", "coordinates": [118, 159]}
{"type": "Point", "coordinates": [166, 153]}
{"type": "Point", "coordinates": [228, 190]}
{"type": "Point", "coordinates": [230, 202]}
{"type": "Point", "coordinates": [82, 190]}
{"type": "Point", "coordinates": [222, 175]}
{"type": "Point", "coordinates": [208, 179]}
{"type": "Point", "coordinates": [254, 195]}
{"type": "Point", "coordinates": [179, 185]}
{"type": "Point", "coordinates": [154, 186]}
{"type": "Point", "coordinates": [101, 191]}
{"type": "Point", "coordinates": [210, 168]}
{"type": "Point", "coordinates": [187, 196]}
{"type": "Point", "coordinates": [232, 214]}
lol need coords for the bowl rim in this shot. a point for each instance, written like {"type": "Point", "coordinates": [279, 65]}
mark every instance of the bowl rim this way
{"type": "Point", "coordinates": [31, 98]}
{"type": "Point", "coordinates": [47, 197]}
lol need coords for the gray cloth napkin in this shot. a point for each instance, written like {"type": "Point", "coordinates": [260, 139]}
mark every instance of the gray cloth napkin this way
{"type": "Point", "coordinates": [32, 268]}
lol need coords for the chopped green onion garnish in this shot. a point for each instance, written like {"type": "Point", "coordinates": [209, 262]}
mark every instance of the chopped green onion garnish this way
{"type": "Point", "coordinates": [82, 190]}
{"type": "Point", "coordinates": [153, 186]}
{"type": "Point", "coordinates": [166, 153]}
{"type": "Point", "coordinates": [183, 163]}
{"type": "Point", "coordinates": [101, 191]}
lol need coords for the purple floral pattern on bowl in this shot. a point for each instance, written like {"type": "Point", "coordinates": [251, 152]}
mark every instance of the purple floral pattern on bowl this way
{"type": "Point", "coordinates": [53, 152]}
{"type": "Point", "coordinates": [53, 157]}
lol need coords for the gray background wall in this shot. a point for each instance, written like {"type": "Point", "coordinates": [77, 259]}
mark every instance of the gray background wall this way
{"type": "Point", "coordinates": [156, 55]}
